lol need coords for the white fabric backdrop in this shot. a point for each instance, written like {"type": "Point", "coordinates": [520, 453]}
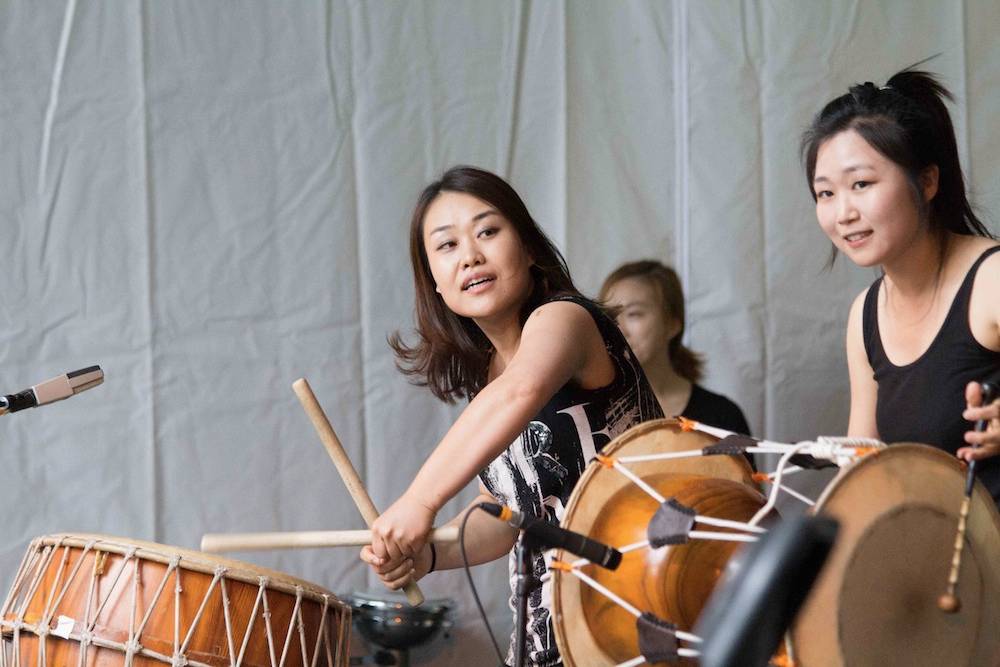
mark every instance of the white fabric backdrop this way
{"type": "Point", "coordinates": [211, 199]}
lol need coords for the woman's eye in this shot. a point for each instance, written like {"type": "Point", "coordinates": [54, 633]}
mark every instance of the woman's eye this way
{"type": "Point", "coordinates": [823, 194]}
{"type": "Point", "coordinates": [861, 185]}
{"type": "Point", "coordinates": [489, 231]}
{"type": "Point", "coordinates": [446, 245]}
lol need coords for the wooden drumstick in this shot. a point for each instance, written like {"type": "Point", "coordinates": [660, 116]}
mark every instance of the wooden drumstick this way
{"type": "Point", "coordinates": [344, 467]}
{"type": "Point", "coordinates": [949, 602]}
{"type": "Point", "coordinates": [308, 539]}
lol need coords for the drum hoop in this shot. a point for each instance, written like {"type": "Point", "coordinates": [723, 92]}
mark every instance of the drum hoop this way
{"type": "Point", "coordinates": [194, 561]}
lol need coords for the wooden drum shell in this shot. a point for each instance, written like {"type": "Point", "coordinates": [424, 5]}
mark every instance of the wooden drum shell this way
{"type": "Point", "coordinates": [672, 582]}
{"type": "Point", "coordinates": [78, 599]}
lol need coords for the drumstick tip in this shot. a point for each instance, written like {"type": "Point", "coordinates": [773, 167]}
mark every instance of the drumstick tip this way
{"type": "Point", "coordinates": [949, 603]}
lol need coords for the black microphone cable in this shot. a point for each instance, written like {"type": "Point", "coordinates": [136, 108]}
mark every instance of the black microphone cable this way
{"type": "Point", "coordinates": [472, 585]}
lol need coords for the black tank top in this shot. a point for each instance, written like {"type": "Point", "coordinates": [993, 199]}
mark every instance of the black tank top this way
{"type": "Point", "coordinates": [923, 401]}
{"type": "Point", "coordinates": [536, 474]}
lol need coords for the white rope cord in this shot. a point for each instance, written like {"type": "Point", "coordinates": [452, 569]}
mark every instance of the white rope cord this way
{"type": "Point", "coordinates": [789, 470]}
{"type": "Point", "coordinates": [713, 431]}
{"type": "Point", "coordinates": [724, 523]}
{"type": "Point", "coordinates": [319, 635]}
{"type": "Point", "coordinates": [729, 523]}
{"type": "Point", "coordinates": [267, 626]}
{"type": "Point", "coordinates": [34, 560]}
{"type": "Point", "coordinates": [302, 638]}
{"type": "Point", "coordinates": [638, 481]}
{"type": "Point", "coordinates": [132, 645]}
{"type": "Point", "coordinates": [229, 623]}
{"type": "Point", "coordinates": [641, 660]}
{"type": "Point", "coordinates": [217, 575]}
{"type": "Point", "coordinates": [665, 456]}
{"type": "Point", "coordinates": [724, 537]}
{"type": "Point", "coordinates": [291, 626]}
{"type": "Point", "coordinates": [605, 592]}
{"type": "Point", "coordinates": [340, 639]}
{"type": "Point", "coordinates": [772, 498]}
{"type": "Point", "coordinates": [42, 564]}
{"type": "Point", "coordinates": [177, 615]}
{"type": "Point", "coordinates": [127, 557]}
{"type": "Point", "coordinates": [31, 556]}
{"type": "Point", "coordinates": [680, 634]}
{"type": "Point", "coordinates": [798, 496]}
{"type": "Point", "coordinates": [171, 567]}
{"type": "Point", "coordinates": [76, 570]}
{"type": "Point", "coordinates": [49, 603]}
{"type": "Point", "coordinates": [581, 562]}
{"type": "Point", "coordinates": [86, 637]}
{"type": "Point", "coordinates": [253, 617]}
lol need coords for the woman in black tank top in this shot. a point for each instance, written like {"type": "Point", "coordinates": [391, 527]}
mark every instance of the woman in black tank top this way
{"type": "Point", "coordinates": [882, 164]}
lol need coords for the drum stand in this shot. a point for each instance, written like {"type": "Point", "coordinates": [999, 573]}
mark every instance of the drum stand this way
{"type": "Point", "coordinates": [525, 583]}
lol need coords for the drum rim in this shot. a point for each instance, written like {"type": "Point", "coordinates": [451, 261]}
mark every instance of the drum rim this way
{"type": "Point", "coordinates": [195, 561]}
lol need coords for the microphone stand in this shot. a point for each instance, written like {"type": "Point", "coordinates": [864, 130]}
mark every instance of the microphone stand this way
{"type": "Point", "coordinates": [524, 584]}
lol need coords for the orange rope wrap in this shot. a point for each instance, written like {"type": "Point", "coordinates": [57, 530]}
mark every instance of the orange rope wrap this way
{"type": "Point", "coordinates": [560, 565]}
{"type": "Point", "coordinates": [687, 425]}
{"type": "Point", "coordinates": [606, 461]}
{"type": "Point", "coordinates": [760, 477]}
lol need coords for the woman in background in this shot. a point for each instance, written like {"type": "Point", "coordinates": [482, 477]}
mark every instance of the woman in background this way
{"type": "Point", "coordinates": [650, 305]}
{"type": "Point", "coordinates": [882, 166]}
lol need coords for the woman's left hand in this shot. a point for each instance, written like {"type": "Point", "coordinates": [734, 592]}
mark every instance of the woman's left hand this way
{"type": "Point", "coordinates": [401, 531]}
{"type": "Point", "coordinates": [988, 440]}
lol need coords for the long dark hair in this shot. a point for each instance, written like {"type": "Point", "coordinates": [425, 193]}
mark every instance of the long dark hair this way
{"type": "Point", "coordinates": [664, 280]}
{"type": "Point", "coordinates": [906, 121]}
{"type": "Point", "coordinates": [451, 355]}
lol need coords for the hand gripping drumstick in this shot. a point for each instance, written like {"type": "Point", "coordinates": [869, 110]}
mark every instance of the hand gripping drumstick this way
{"type": "Point", "coordinates": [344, 467]}
{"type": "Point", "coordinates": [949, 602]}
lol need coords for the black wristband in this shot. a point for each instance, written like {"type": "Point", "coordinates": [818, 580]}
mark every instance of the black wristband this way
{"type": "Point", "coordinates": [434, 557]}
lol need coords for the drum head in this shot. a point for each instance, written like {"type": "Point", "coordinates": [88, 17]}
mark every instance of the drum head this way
{"type": "Point", "coordinates": [875, 603]}
{"type": "Point", "coordinates": [604, 500]}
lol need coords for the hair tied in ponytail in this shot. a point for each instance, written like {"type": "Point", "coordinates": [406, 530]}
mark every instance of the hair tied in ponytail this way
{"type": "Point", "coordinates": [865, 93]}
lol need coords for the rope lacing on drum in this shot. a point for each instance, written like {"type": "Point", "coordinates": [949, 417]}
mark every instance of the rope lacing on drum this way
{"type": "Point", "coordinates": [680, 537]}
{"type": "Point", "coordinates": [219, 571]}
{"type": "Point", "coordinates": [267, 623]}
{"type": "Point", "coordinates": [253, 617]}
{"type": "Point", "coordinates": [296, 610]}
{"type": "Point", "coordinates": [320, 633]}
{"type": "Point", "coordinates": [647, 624]}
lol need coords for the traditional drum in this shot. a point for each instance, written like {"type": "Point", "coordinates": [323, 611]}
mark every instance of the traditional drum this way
{"type": "Point", "coordinates": [670, 582]}
{"type": "Point", "coordinates": [95, 601]}
{"type": "Point", "coordinates": [876, 601]}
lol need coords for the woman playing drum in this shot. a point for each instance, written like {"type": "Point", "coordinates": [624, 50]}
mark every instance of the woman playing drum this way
{"type": "Point", "coordinates": [549, 377]}
{"type": "Point", "coordinates": [882, 165]}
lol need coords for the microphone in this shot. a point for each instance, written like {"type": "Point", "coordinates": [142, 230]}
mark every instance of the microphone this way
{"type": "Point", "coordinates": [53, 390]}
{"type": "Point", "coordinates": [551, 536]}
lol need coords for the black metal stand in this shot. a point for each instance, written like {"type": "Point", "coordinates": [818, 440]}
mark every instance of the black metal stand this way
{"type": "Point", "coordinates": [524, 584]}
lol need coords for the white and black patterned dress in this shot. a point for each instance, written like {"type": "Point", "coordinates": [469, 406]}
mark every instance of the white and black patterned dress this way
{"type": "Point", "coordinates": [536, 474]}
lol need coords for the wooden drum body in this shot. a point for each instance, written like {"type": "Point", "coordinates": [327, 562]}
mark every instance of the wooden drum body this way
{"type": "Point", "coordinates": [672, 582]}
{"type": "Point", "coordinates": [875, 602]}
{"type": "Point", "coordinates": [95, 601]}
